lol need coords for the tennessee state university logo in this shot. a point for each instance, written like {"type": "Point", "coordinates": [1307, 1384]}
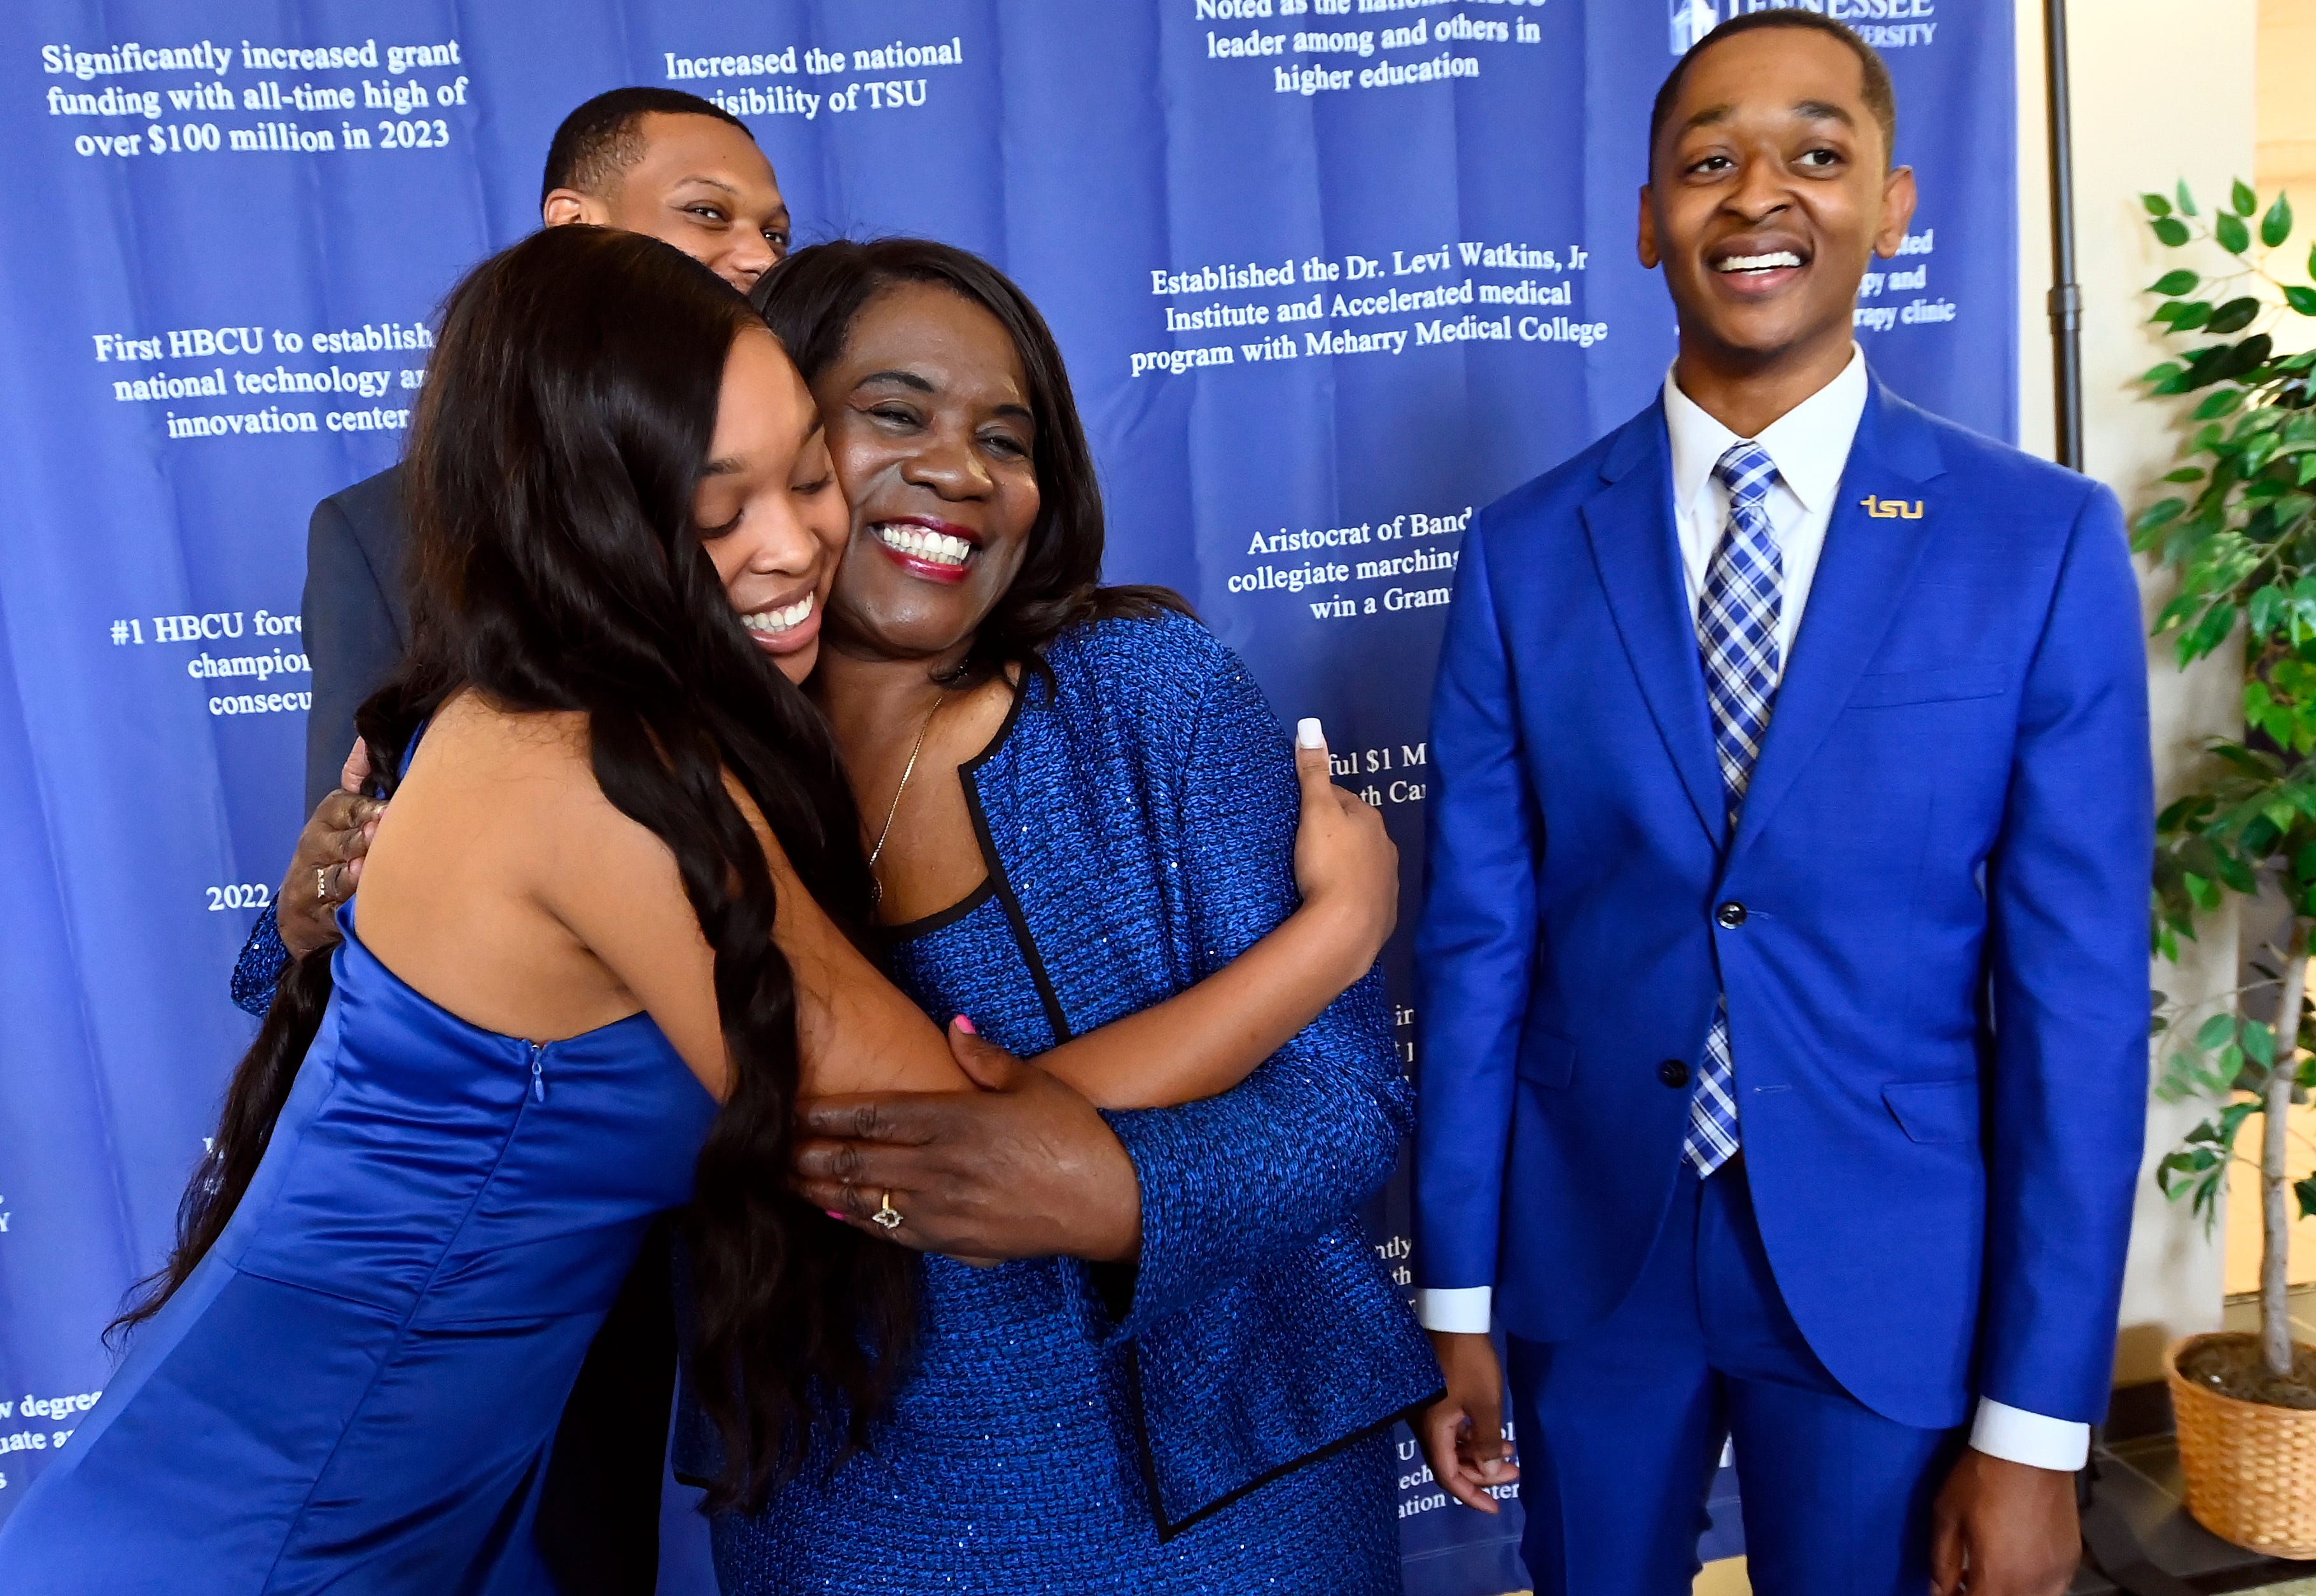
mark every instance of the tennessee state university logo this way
{"type": "Point", "coordinates": [1891, 509]}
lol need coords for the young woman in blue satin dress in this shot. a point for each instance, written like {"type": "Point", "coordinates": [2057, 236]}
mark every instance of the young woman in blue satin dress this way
{"type": "Point", "coordinates": [1082, 805]}
{"type": "Point", "coordinates": [607, 899]}
{"type": "Point", "coordinates": [616, 885]}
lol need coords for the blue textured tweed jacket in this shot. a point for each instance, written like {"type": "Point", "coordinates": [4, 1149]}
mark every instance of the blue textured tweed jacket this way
{"type": "Point", "coordinates": [1137, 818]}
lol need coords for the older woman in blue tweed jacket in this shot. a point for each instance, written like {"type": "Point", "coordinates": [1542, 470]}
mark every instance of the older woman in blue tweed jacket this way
{"type": "Point", "coordinates": [1101, 814]}
{"type": "Point", "coordinates": [1083, 818]}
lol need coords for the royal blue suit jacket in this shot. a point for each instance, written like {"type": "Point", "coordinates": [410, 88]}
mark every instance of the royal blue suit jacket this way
{"type": "Point", "coordinates": [1938, 993]}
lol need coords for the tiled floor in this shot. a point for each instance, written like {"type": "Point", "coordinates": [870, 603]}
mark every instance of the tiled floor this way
{"type": "Point", "coordinates": [1728, 1579]}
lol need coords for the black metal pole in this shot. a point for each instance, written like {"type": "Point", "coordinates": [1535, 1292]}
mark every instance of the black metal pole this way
{"type": "Point", "coordinates": [2066, 299]}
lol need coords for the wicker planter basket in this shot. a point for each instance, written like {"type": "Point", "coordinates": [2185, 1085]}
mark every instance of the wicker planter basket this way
{"type": "Point", "coordinates": [2250, 1467]}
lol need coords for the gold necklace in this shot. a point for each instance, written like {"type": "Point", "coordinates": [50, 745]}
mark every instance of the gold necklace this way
{"type": "Point", "coordinates": [876, 884]}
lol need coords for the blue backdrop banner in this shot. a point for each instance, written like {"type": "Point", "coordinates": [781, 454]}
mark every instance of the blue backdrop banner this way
{"type": "Point", "coordinates": [1330, 273]}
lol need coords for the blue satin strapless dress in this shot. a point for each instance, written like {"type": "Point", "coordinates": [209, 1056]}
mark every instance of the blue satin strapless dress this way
{"type": "Point", "coordinates": [356, 1390]}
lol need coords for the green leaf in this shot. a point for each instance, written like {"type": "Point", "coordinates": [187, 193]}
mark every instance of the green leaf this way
{"type": "Point", "coordinates": [2218, 403]}
{"type": "Point", "coordinates": [2173, 284]}
{"type": "Point", "coordinates": [2304, 1188]}
{"type": "Point", "coordinates": [2231, 1118]}
{"type": "Point", "coordinates": [2185, 473]}
{"type": "Point", "coordinates": [2208, 633]}
{"type": "Point", "coordinates": [2162, 513]}
{"type": "Point", "coordinates": [2196, 1172]}
{"type": "Point", "coordinates": [2260, 1043]}
{"type": "Point", "coordinates": [2242, 199]}
{"type": "Point", "coordinates": [2171, 230]}
{"type": "Point", "coordinates": [2182, 605]}
{"type": "Point", "coordinates": [2244, 358]}
{"type": "Point", "coordinates": [2187, 200]}
{"type": "Point", "coordinates": [2264, 614]}
{"type": "Point", "coordinates": [2234, 315]}
{"type": "Point", "coordinates": [2259, 766]}
{"type": "Point", "coordinates": [2157, 205]}
{"type": "Point", "coordinates": [2205, 366]}
{"type": "Point", "coordinates": [2180, 812]}
{"type": "Point", "coordinates": [2216, 1031]}
{"type": "Point", "coordinates": [2186, 317]}
{"type": "Point", "coordinates": [2233, 237]}
{"type": "Point", "coordinates": [2275, 226]}
{"type": "Point", "coordinates": [2300, 298]}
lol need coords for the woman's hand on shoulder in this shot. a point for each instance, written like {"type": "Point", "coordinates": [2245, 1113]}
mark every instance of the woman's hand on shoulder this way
{"type": "Point", "coordinates": [326, 864]}
{"type": "Point", "coordinates": [1346, 865]}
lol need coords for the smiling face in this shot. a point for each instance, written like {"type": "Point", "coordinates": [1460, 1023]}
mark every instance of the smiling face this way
{"type": "Point", "coordinates": [1769, 191]}
{"type": "Point", "coordinates": [771, 517]}
{"type": "Point", "coordinates": [931, 427]}
{"type": "Point", "coordinates": [702, 185]}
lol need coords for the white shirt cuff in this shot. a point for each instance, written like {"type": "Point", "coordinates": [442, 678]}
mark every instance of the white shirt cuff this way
{"type": "Point", "coordinates": [1462, 1310]}
{"type": "Point", "coordinates": [2017, 1436]}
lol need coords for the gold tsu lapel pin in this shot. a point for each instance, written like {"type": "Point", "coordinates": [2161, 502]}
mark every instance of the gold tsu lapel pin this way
{"type": "Point", "coordinates": [1888, 510]}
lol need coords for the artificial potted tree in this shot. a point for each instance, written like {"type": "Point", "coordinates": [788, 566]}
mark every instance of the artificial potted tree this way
{"type": "Point", "coordinates": [2238, 533]}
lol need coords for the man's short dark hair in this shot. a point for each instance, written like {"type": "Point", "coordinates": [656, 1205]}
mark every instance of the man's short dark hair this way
{"type": "Point", "coordinates": [1881, 98]}
{"type": "Point", "coordinates": [603, 138]}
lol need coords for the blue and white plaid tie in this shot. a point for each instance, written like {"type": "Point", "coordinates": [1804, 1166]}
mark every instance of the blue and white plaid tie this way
{"type": "Point", "coordinates": [1737, 634]}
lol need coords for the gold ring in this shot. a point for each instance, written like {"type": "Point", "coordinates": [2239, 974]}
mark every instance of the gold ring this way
{"type": "Point", "coordinates": [321, 883]}
{"type": "Point", "coordinates": [886, 1215]}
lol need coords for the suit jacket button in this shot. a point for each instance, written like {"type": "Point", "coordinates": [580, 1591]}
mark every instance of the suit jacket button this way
{"type": "Point", "coordinates": [1674, 1073]}
{"type": "Point", "coordinates": [1730, 916]}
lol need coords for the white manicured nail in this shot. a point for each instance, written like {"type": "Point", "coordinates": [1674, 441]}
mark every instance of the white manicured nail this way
{"type": "Point", "coordinates": [1308, 734]}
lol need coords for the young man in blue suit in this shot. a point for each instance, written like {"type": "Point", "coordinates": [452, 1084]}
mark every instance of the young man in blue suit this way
{"type": "Point", "coordinates": [1782, 965]}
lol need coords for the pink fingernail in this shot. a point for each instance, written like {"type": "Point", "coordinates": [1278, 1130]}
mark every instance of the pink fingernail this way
{"type": "Point", "coordinates": [832, 1213]}
{"type": "Point", "coordinates": [964, 1025]}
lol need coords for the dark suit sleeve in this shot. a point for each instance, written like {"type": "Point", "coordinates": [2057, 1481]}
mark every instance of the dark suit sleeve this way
{"type": "Point", "coordinates": [2066, 905]}
{"type": "Point", "coordinates": [351, 640]}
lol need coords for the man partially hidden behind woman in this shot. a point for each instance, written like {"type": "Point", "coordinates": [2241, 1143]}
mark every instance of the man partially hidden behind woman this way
{"type": "Point", "coordinates": [617, 825]}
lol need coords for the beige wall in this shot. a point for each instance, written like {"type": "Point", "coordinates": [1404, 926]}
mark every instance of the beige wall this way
{"type": "Point", "coordinates": [2287, 133]}
{"type": "Point", "coordinates": [2288, 160]}
{"type": "Point", "coordinates": [2157, 97]}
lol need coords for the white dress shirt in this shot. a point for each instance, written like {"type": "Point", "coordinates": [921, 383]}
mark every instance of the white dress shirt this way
{"type": "Point", "coordinates": [1810, 447]}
